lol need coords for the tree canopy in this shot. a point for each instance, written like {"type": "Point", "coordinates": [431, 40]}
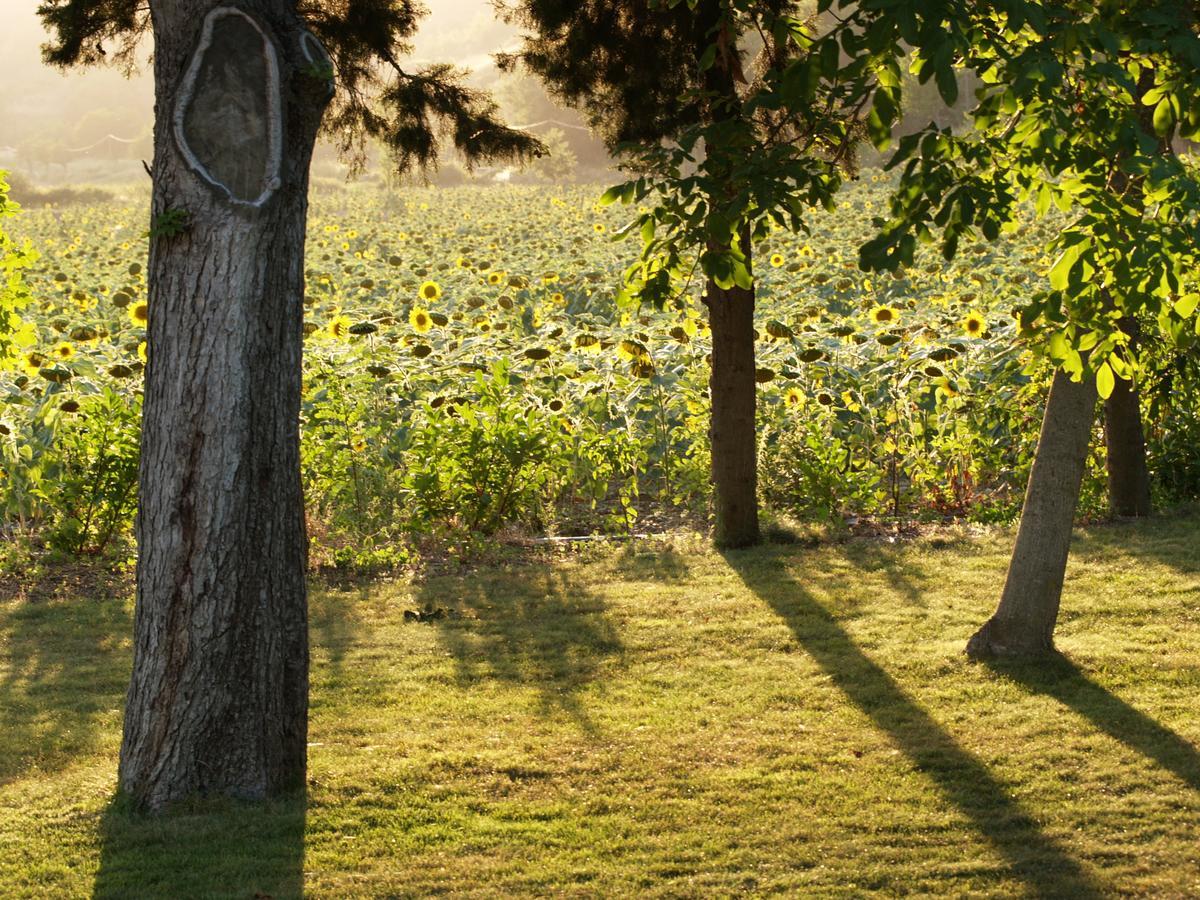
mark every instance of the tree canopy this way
{"type": "Point", "coordinates": [1077, 112]}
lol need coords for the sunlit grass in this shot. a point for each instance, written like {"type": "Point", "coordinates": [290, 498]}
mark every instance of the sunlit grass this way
{"type": "Point", "coordinates": [662, 719]}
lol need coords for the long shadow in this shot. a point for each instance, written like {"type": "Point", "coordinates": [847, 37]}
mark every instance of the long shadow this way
{"type": "Point", "coordinates": [650, 563]}
{"type": "Point", "coordinates": [535, 628]}
{"type": "Point", "coordinates": [1169, 537]}
{"type": "Point", "coordinates": [886, 560]}
{"type": "Point", "coordinates": [1039, 860]}
{"type": "Point", "coordinates": [64, 666]}
{"type": "Point", "coordinates": [216, 848]}
{"type": "Point", "coordinates": [334, 623]}
{"type": "Point", "coordinates": [1066, 682]}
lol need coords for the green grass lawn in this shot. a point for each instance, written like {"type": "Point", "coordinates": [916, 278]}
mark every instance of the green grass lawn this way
{"type": "Point", "coordinates": [660, 719]}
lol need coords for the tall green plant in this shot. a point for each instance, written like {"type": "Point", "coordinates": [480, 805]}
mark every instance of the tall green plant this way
{"type": "Point", "coordinates": [14, 296]}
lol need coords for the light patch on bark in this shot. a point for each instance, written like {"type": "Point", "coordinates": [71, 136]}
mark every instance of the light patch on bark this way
{"type": "Point", "coordinates": [317, 56]}
{"type": "Point", "coordinates": [222, 129]}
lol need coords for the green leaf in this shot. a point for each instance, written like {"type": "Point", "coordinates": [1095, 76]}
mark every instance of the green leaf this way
{"type": "Point", "coordinates": [1105, 381]}
{"type": "Point", "coordinates": [880, 134]}
{"type": "Point", "coordinates": [1164, 117]}
{"type": "Point", "coordinates": [1060, 272]}
{"type": "Point", "coordinates": [947, 83]}
{"type": "Point", "coordinates": [1058, 345]}
{"type": "Point", "coordinates": [611, 196]}
{"type": "Point", "coordinates": [1186, 305]}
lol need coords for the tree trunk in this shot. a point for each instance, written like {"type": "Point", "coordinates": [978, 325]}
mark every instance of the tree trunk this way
{"type": "Point", "coordinates": [1128, 474]}
{"type": "Point", "coordinates": [1024, 623]}
{"type": "Point", "coordinates": [218, 701]}
{"type": "Point", "coordinates": [733, 433]}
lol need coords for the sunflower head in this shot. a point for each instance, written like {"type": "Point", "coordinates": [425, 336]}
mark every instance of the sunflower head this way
{"type": "Point", "coordinates": [420, 320]}
{"type": "Point", "coordinates": [632, 350]}
{"type": "Point", "coordinates": [974, 324]}
{"type": "Point", "coordinates": [495, 278]}
{"type": "Point", "coordinates": [884, 315]}
{"type": "Point", "coordinates": [777, 260]}
{"type": "Point", "coordinates": [430, 291]}
{"type": "Point", "coordinates": [599, 228]}
{"type": "Point", "coordinates": [139, 313]}
{"type": "Point", "coordinates": [63, 350]}
{"type": "Point", "coordinates": [339, 327]}
{"type": "Point", "coordinates": [793, 397]}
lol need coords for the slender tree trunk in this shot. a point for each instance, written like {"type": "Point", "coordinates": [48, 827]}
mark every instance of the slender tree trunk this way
{"type": "Point", "coordinates": [733, 436]}
{"type": "Point", "coordinates": [733, 439]}
{"type": "Point", "coordinates": [1024, 623]}
{"type": "Point", "coordinates": [1128, 474]}
{"type": "Point", "coordinates": [219, 694]}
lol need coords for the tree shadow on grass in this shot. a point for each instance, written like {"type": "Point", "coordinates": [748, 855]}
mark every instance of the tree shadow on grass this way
{"type": "Point", "coordinates": [1169, 537]}
{"type": "Point", "coordinates": [1063, 680]}
{"type": "Point", "coordinates": [646, 562]}
{"type": "Point", "coordinates": [888, 560]}
{"type": "Point", "coordinates": [210, 848]}
{"type": "Point", "coordinates": [64, 666]}
{"type": "Point", "coordinates": [335, 625]}
{"type": "Point", "coordinates": [535, 628]}
{"type": "Point", "coordinates": [1034, 857]}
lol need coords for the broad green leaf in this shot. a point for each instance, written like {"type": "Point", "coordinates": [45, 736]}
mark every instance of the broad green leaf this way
{"type": "Point", "coordinates": [1186, 305]}
{"type": "Point", "coordinates": [1164, 117]}
{"type": "Point", "coordinates": [1060, 272]}
{"type": "Point", "coordinates": [1105, 381]}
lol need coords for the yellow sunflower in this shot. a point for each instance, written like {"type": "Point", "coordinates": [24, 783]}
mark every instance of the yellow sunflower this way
{"type": "Point", "coordinates": [793, 397]}
{"type": "Point", "coordinates": [420, 320]}
{"type": "Point", "coordinates": [339, 327]}
{"type": "Point", "coordinates": [974, 324]}
{"type": "Point", "coordinates": [63, 350]}
{"type": "Point", "coordinates": [885, 315]}
{"type": "Point", "coordinates": [777, 260]}
{"type": "Point", "coordinates": [430, 291]}
{"type": "Point", "coordinates": [632, 350]}
{"type": "Point", "coordinates": [139, 313]}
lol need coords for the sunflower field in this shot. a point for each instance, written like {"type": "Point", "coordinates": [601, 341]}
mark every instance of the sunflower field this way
{"type": "Point", "coordinates": [470, 368]}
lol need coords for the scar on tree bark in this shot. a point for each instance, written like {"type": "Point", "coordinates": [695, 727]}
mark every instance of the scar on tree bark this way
{"type": "Point", "coordinates": [227, 120]}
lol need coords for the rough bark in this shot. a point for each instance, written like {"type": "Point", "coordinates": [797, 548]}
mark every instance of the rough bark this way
{"type": "Point", "coordinates": [733, 436]}
{"type": "Point", "coordinates": [1023, 625]}
{"type": "Point", "coordinates": [217, 703]}
{"type": "Point", "coordinates": [1125, 440]}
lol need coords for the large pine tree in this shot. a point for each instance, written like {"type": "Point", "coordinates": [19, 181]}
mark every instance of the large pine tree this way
{"type": "Point", "coordinates": [219, 694]}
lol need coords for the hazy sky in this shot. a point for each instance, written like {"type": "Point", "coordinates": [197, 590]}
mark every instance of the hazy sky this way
{"type": "Point", "coordinates": [35, 98]}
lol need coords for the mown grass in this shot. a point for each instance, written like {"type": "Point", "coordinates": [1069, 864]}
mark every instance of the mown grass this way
{"type": "Point", "coordinates": [661, 719]}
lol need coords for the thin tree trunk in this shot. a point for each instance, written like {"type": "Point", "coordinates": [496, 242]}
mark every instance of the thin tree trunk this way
{"type": "Point", "coordinates": [1128, 474]}
{"type": "Point", "coordinates": [1023, 625]}
{"type": "Point", "coordinates": [219, 693]}
{"type": "Point", "coordinates": [733, 439]}
{"type": "Point", "coordinates": [733, 436]}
